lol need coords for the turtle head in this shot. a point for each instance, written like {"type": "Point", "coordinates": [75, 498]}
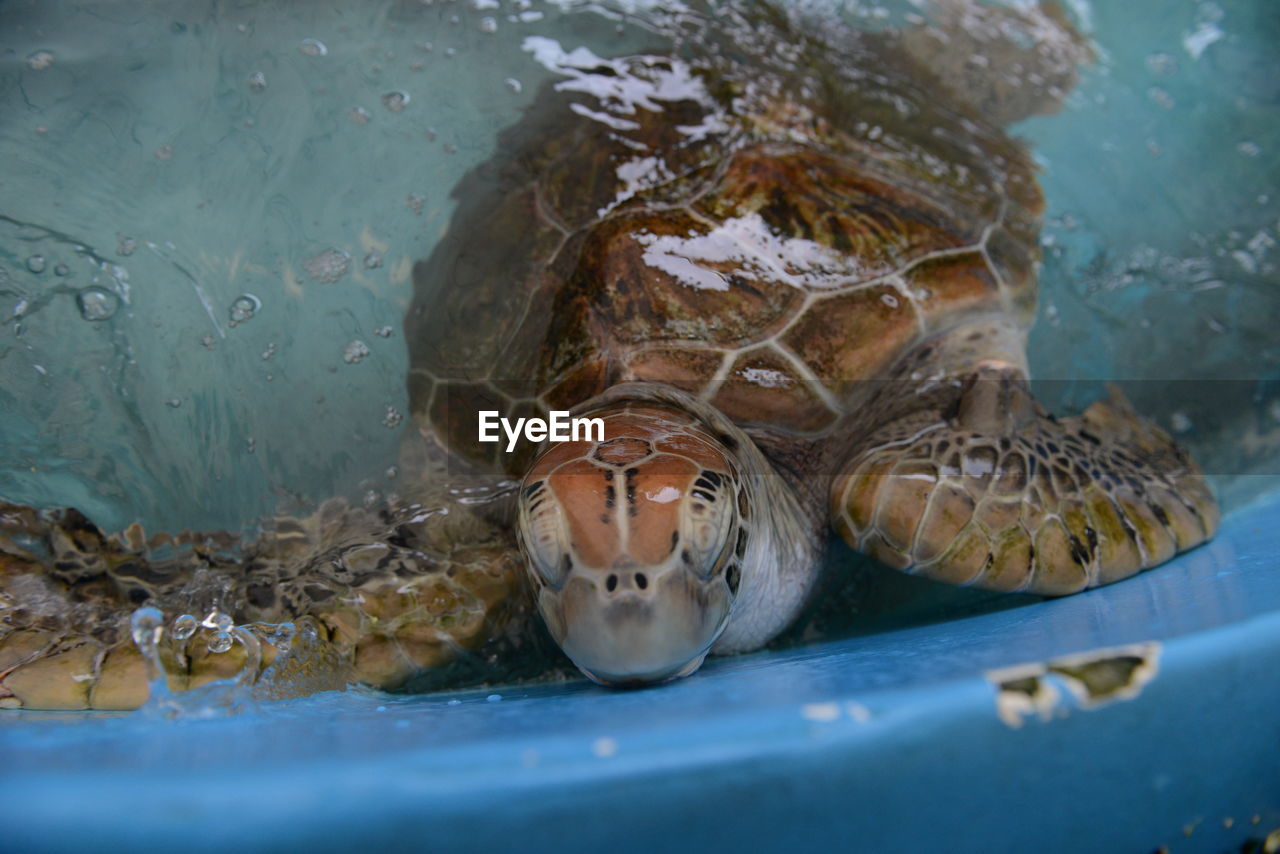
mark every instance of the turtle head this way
{"type": "Point", "coordinates": [634, 542]}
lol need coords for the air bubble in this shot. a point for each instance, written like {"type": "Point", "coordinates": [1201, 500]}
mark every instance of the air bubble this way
{"type": "Point", "coordinates": [36, 263]}
{"type": "Point", "coordinates": [215, 619]}
{"type": "Point", "coordinates": [257, 82]}
{"type": "Point", "coordinates": [359, 115]}
{"type": "Point", "coordinates": [244, 308]}
{"type": "Point", "coordinates": [269, 351]}
{"type": "Point", "coordinates": [1161, 98]}
{"type": "Point", "coordinates": [97, 304]}
{"type": "Point", "coordinates": [488, 25]}
{"type": "Point", "coordinates": [392, 418]}
{"type": "Point", "coordinates": [328, 266]}
{"type": "Point", "coordinates": [513, 84]}
{"type": "Point", "coordinates": [415, 202]}
{"type": "Point", "coordinates": [371, 498]}
{"type": "Point", "coordinates": [184, 627]}
{"type": "Point", "coordinates": [384, 331]}
{"type": "Point", "coordinates": [1162, 64]}
{"type": "Point", "coordinates": [40, 60]}
{"type": "Point", "coordinates": [125, 245]}
{"type": "Point", "coordinates": [146, 627]}
{"type": "Point", "coordinates": [62, 270]}
{"type": "Point", "coordinates": [372, 261]}
{"type": "Point", "coordinates": [220, 642]}
{"type": "Point", "coordinates": [282, 637]}
{"type": "Point", "coordinates": [312, 47]}
{"type": "Point", "coordinates": [173, 402]}
{"type": "Point", "coordinates": [395, 101]}
{"type": "Point", "coordinates": [355, 352]}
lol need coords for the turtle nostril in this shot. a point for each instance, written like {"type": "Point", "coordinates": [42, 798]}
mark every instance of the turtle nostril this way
{"type": "Point", "coordinates": [641, 581]}
{"type": "Point", "coordinates": [611, 583]}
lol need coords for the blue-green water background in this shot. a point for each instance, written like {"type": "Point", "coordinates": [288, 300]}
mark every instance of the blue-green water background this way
{"type": "Point", "coordinates": [1160, 174]}
{"type": "Point", "coordinates": [1163, 220]}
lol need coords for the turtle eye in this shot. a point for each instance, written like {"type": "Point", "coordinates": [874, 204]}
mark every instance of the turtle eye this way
{"type": "Point", "coordinates": [731, 538]}
{"type": "Point", "coordinates": [540, 531]}
{"type": "Point", "coordinates": [711, 527]}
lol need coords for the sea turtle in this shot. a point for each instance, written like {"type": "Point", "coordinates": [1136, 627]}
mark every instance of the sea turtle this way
{"type": "Point", "coordinates": [794, 289]}
{"type": "Point", "coordinates": [792, 275]}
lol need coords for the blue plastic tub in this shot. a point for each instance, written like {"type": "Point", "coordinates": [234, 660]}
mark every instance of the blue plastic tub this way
{"type": "Point", "coordinates": [181, 156]}
{"type": "Point", "coordinates": [892, 742]}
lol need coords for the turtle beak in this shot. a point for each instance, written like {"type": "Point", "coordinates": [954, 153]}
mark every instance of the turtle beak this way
{"type": "Point", "coordinates": [632, 635]}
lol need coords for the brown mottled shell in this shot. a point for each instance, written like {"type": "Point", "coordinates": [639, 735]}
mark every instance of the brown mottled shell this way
{"type": "Point", "coordinates": [767, 260]}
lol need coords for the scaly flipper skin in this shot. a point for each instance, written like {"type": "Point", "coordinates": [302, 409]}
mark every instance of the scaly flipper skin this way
{"type": "Point", "coordinates": [994, 492]}
{"type": "Point", "coordinates": [389, 596]}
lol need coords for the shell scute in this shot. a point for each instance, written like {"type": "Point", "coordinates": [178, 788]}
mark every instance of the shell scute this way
{"type": "Point", "coordinates": [853, 336]}
{"type": "Point", "coordinates": [685, 368]}
{"type": "Point", "coordinates": [762, 387]}
{"type": "Point", "coordinates": [951, 284]}
{"type": "Point", "coordinates": [832, 224]}
{"type": "Point", "coordinates": [669, 276]}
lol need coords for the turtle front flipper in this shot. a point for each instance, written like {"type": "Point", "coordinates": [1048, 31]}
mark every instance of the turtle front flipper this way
{"type": "Point", "coordinates": [425, 590]}
{"type": "Point", "coordinates": [994, 492]}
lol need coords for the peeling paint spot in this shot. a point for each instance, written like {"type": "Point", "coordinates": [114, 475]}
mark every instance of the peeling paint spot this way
{"type": "Point", "coordinates": [821, 712]}
{"type": "Point", "coordinates": [1021, 692]}
{"type": "Point", "coordinates": [1094, 678]}
{"type": "Point", "coordinates": [858, 712]}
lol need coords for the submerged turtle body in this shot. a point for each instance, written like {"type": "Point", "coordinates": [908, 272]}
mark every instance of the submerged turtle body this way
{"type": "Point", "coordinates": [832, 270]}
{"type": "Point", "coordinates": [766, 253]}
{"type": "Point", "coordinates": [791, 278]}
{"type": "Point", "coordinates": [350, 596]}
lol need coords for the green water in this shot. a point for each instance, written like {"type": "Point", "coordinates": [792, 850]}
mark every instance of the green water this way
{"type": "Point", "coordinates": [1162, 236]}
{"type": "Point", "coordinates": [147, 128]}
{"type": "Point", "coordinates": [178, 156]}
